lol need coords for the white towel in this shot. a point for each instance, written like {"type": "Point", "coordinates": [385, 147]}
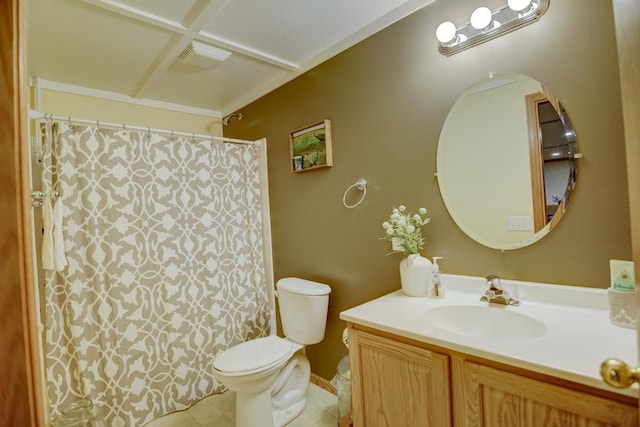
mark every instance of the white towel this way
{"type": "Point", "coordinates": [47, 237]}
{"type": "Point", "coordinates": [58, 238]}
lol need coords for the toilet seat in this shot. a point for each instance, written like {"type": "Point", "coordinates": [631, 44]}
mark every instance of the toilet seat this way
{"type": "Point", "coordinates": [254, 356]}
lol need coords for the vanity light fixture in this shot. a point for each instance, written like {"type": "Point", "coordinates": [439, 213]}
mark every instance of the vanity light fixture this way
{"type": "Point", "coordinates": [482, 19]}
{"type": "Point", "coordinates": [522, 6]}
{"type": "Point", "coordinates": [446, 34]}
{"type": "Point", "coordinates": [486, 24]}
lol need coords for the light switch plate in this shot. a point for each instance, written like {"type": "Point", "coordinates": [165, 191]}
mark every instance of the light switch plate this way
{"type": "Point", "coordinates": [519, 223]}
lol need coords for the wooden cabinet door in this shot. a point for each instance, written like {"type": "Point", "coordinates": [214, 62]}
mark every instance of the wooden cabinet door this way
{"type": "Point", "coordinates": [486, 396]}
{"type": "Point", "coordinates": [396, 384]}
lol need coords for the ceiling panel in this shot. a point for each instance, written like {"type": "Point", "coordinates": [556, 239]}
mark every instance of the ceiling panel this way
{"type": "Point", "coordinates": [131, 47]}
{"type": "Point", "coordinates": [173, 10]}
{"type": "Point", "coordinates": [295, 29]}
{"type": "Point", "coordinates": [77, 44]}
{"type": "Point", "coordinates": [189, 85]}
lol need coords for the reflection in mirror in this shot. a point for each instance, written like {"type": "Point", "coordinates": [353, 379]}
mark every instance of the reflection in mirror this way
{"type": "Point", "coordinates": [506, 161]}
{"type": "Point", "coordinates": [552, 146]}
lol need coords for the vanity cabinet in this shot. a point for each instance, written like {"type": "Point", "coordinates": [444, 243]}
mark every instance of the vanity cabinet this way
{"type": "Point", "coordinates": [488, 396]}
{"type": "Point", "coordinates": [396, 384]}
{"type": "Point", "coordinates": [401, 382]}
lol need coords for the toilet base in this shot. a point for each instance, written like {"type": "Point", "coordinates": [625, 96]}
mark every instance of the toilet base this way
{"type": "Point", "coordinates": [257, 409]}
{"type": "Point", "coordinates": [254, 406]}
{"type": "Point", "coordinates": [282, 417]}
{"type": "Point", "coordinates": [270, 398]}
{"type": "Point", "coordinates": [288, 392]}
{"type": "Point", "coordinates": [251, 409]}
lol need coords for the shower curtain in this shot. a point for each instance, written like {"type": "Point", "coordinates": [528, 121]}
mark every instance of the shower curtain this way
{"type": "Point", "coordinates": [163, 239]}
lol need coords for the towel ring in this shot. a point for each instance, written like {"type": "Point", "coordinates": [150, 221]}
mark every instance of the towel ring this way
{"type": "Point", "coordinates": [361, 185]}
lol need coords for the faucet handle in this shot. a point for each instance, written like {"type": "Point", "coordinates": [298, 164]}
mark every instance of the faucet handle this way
{"type": "Point", "coordinates": [495, 294]}
{"type": "Point", "coordinates": [493, 282]}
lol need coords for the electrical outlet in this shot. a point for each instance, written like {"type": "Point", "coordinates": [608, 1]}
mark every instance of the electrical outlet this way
{"type": "Point", "coordinates": [519, 223]}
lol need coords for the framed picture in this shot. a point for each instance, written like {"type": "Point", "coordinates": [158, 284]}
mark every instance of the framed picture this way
{"type": "Point", "coordinates": [311, 147]}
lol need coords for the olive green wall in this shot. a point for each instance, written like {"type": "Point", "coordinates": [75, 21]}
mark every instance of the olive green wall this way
{"type": "Point", "coordinates": [387, 98]}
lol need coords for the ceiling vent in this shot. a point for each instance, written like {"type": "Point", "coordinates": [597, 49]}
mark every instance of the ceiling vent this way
{"type": "Point", "coordinates": [203, 55]}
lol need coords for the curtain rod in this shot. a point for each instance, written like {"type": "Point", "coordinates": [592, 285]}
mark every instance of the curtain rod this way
{"type": "Point", "coordinates": [36, 115]}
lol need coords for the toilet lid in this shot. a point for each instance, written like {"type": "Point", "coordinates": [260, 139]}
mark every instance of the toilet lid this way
{"type": "Point", "coordinates": [253, 355]}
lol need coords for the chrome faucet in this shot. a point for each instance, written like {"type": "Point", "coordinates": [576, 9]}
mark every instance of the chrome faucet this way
{"type": "Point", "coordinates": [495, 294]}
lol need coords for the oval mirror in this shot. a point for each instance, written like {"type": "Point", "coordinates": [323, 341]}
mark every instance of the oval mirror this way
{"type": "Point", "coordinates": [506, 161]}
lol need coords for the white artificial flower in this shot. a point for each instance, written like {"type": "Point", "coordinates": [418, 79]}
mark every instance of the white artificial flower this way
{"type": "Point", "coordinates": [405, 228]}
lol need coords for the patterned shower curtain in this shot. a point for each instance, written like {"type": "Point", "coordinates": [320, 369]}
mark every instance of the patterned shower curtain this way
{"type": "Point", "coordinates": [163, 237]}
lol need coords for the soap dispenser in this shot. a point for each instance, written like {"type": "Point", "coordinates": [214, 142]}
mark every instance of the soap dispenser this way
{"type": "Point", "coordinates": [436, 290]}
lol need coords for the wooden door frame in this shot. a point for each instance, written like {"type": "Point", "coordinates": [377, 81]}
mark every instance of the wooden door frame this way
{"type": "Point", "coordinates": [627, 24]}
{"type": "Point", "coordinates": [21, 397]}
{"type": "Point", "coordinates": [535, 160]}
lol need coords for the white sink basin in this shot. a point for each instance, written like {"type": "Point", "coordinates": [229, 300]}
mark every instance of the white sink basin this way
{"type": "Point", "coordinates": [492, 322]}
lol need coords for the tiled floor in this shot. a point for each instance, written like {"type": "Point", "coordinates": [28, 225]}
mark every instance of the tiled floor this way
{"type": "Point", "coordinates": [219, 411]}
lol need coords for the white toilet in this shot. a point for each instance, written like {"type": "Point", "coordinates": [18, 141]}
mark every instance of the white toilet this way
{"type": "Point", "coordinates": [270, 375]}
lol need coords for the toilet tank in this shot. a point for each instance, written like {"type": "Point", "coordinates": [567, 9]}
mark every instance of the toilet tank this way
{"type": "Point", "coordinates": [303, 309]}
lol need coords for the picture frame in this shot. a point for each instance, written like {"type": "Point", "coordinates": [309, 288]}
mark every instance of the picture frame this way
{"type": "Point", "coordinates": [310, 147]}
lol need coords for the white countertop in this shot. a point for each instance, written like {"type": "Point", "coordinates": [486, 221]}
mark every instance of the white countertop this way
{"type": "Point", "coordinates": [579, 335]}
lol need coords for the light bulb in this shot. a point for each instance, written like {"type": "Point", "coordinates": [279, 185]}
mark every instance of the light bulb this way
{"type": "Point", "coordinates": [446, 32]}
{"type": "Point", "coordinates": [518, 5]}
{"type": "Point", "coordinates": [481, 18]}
